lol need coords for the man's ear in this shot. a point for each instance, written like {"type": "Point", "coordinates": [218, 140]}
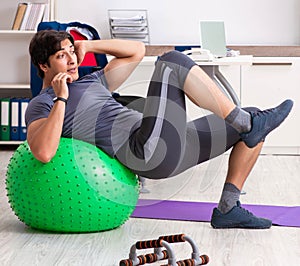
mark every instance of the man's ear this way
{"type": "Point", "coordinates": [44, 67]}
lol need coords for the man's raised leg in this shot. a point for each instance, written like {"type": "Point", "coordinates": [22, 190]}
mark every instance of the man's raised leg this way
{"type": "Point", "coordinates": [252, 126]}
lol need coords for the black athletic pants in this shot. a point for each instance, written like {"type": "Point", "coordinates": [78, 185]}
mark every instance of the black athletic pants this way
{"type": "Point", "coordinates": [166, 143]}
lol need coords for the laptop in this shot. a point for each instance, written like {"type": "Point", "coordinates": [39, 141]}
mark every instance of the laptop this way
{"type": "Point", "coordinates": [212, 35]}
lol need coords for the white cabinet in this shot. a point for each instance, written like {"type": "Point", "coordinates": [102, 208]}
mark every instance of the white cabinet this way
{"type": "Point", "coordinates": [268, 82]}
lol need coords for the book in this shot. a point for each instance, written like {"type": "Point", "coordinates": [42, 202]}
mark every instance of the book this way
{"type": "Point", "coordinates": [46, 16]}
{"type": "Point", "coordinates": [38, 15]}
{"type": "Point", "coordinates": [19, 16]}
{"type": "Point", "coordinates": [31, 17]}
{"type": "Point", "coordinates": [26, 16]}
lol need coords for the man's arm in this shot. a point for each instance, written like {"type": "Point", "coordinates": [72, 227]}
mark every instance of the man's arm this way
{"type": "Point", "coordinates": [43, 135]}
{"type": "Point", "coordinates": [127, 55]}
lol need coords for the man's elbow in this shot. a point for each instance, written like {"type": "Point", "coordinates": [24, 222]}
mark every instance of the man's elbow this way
{"type": "Point", "coordinates": [43, 156]}
{"type": "Point", "coordinates": [140, 51]}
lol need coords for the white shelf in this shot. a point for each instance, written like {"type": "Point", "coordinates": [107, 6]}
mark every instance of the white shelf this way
{"type": "Point", "coordinates": [21, 32]}
{"type": "Point", "coordinates": [14, 86]}
{"type": "Point", "coordinates": [10, 142]}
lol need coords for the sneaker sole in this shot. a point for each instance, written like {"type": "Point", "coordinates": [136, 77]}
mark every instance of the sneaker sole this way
{"type": "Point", "coordinates": [239, 227]}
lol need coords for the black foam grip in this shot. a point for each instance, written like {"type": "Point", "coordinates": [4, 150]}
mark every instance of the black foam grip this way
{"type": "Point", "coordinates": [191, 262]}
{"type": "Point", "coordinates": [148, 244]}
{"type": "Point", "coordinates": [127, 262]}
{"type": "Point", "coordinates": [187, 262]}
{"type": "Point", "coordinates": [173, 238]}
{"type": "Point", "coordinates": [151, 257]}
{"type": "Point", "coordinates": [142, 259]}
{"type": "Point", "coordinates": [166, 255]}
{"type": "Point", "coordinates": [205, 259]}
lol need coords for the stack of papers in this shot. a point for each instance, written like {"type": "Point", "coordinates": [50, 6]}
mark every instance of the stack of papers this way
{"type": "Point", "coordinates": [138, 19]}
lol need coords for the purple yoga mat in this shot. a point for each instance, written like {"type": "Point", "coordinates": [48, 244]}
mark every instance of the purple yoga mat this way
{"type": "Point", "coordinates": [201, 211]}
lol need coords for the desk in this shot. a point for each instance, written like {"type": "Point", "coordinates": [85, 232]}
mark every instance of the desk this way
{"type": "Point", "coordinates": [212, 69]}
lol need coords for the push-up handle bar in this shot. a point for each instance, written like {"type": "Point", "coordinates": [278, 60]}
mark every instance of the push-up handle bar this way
{"type": "Point", "coordinates": [160, 254]}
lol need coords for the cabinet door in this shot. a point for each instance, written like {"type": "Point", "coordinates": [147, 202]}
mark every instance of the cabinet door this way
{"type": "Point", "coordinates": [267, 85]}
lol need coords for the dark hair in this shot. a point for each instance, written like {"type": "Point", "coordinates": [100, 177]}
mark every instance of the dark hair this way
{"type": "Point", "coordinates": [44, 44]}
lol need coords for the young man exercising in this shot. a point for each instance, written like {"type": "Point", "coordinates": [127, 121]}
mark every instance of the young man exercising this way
{"type": "Point", "coordinates": [159, 142]}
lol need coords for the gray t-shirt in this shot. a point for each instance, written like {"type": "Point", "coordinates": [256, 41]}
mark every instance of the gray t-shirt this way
{"type": "Point", "coordinates": [92, 114]}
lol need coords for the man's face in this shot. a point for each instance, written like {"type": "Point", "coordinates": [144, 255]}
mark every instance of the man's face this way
{"type": "Point", "coordinates": [64, 60]}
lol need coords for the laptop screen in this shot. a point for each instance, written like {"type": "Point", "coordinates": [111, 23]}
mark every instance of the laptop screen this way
{"type": "Point", "coordinates": [213, 37]}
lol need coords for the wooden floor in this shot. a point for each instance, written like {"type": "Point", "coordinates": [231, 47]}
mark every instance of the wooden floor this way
{"type": "Point", "coordinates": [275, 180]}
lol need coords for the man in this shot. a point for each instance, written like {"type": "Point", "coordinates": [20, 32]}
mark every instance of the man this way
{"type": "Point", "coordinates": [159, 142]}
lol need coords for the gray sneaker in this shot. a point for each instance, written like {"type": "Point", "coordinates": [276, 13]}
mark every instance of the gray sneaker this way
{"type": "Point", "coordinates": [238, 217]}
{"type": "Point", "coordinates": [263, 122]}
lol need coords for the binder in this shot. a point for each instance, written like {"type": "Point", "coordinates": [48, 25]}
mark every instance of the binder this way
{"type": "Point", "coordinates": [5, 119]}
{"type": "Point", "coordinates": [23, 106]}
{"type": "Point", "coordinates": [15, 119]}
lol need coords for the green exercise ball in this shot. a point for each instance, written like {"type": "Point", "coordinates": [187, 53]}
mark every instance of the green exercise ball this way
{"type": "Point", "coordinates": [81, 189]}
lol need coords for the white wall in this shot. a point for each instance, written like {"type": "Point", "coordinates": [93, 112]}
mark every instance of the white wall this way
{"type": "Point", "coordinates": [261, 22]}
